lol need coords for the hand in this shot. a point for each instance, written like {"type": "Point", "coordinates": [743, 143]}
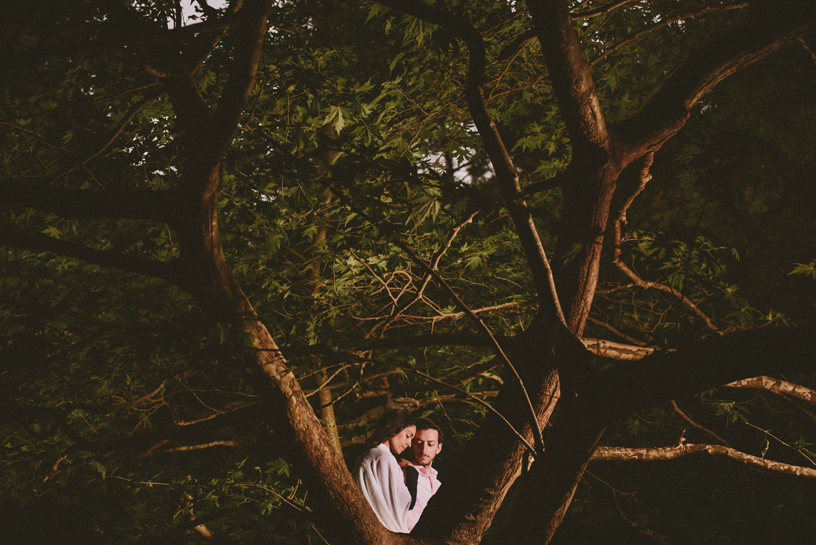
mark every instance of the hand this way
{"type": "Point", "coordinates": [404, 463]}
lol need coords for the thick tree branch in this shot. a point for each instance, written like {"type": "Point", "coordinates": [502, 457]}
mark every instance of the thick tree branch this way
{"type": "Point", "coordinates": [595, 165]}
{"type": "Point", "coordinates": [40, 194]}
{"type": "Point", "coordinates": [617, 351]}
{"type": "Point", "coordinates": [37, 242]}
{"type": "Point", "coordinates": [570, 74]}
{"type": "Point", "coordinates": [688, 370]}
{"type": "Point", "coordinates": [125, 30]}
{"type": "Point", "coordinates": [777, 386]}
{"type": "Point", "coordinates": [613, 394]}
{"type": "Point", "coordinates": [768, 27]}
{"type": "Point", "coordinates": [623, 454]}
{"type": "Point", "coordinates": [249, 37]}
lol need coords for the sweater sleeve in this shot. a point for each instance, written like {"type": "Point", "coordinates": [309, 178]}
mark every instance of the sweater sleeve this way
{"type": "Point", "coordinates": [380, 478]}
{"type": "Point", "coordinates": [411, 481]}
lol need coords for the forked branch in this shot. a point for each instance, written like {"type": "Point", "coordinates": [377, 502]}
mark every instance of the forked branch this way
{"type": "Point", "coordinates": [637, 280]}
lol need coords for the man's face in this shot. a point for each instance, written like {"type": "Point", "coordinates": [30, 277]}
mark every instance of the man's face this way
{"type": "Point", "coordinates": [426, 446]}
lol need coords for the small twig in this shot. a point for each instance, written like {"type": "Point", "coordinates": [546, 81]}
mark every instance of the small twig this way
{"type": "Point", "coordinates": [688, 419]}
{"type": "Point", "coordinates": [616, 332]}
{"type": "Point", "coordinates": [374, 274]}
{"type": "Point", "coordinates": [323, 385]}
{"type": "Point", "coordinates": [810, 52]}
{"type": "Point", "coordinates": [772, 436]}
{"type": "Point", "coordinates": [615, 493]}
{"type": "Point", "coordinates": [435, 259]}
{"type": "Point", "coordinates": [139, 399]}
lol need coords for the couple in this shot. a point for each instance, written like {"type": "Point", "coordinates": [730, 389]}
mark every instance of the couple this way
{"type": "Point", "coordinates": [398, 491]}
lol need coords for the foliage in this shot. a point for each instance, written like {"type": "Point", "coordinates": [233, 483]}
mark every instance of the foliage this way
{"type": "Point", "coordinates": [127, 410]}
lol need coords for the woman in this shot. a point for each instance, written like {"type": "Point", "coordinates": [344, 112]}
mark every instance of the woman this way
{"type": "Point", "coordinates": [379, 476]}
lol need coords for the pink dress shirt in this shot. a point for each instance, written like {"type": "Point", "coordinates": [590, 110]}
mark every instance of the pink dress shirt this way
{"type": "Point", "coordinates": [427, 486]}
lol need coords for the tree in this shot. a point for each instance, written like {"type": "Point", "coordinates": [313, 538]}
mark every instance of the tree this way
{"type": "Point", "coordinates": [386, 204]}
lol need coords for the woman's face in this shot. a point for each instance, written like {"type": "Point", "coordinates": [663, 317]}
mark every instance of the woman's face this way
{"type": "Point", "coordinates": [401, 441]}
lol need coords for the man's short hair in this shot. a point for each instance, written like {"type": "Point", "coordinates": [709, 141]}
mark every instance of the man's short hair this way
{"type": "Point", "coordinates": [428, 424]}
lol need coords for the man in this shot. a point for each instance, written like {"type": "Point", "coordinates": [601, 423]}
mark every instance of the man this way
{"type": "Point", "coordinates": [420, 477]}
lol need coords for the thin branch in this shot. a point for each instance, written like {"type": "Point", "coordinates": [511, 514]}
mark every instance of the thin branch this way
{"type": "Point", "coordinates": [435, 259]}
{"type": "Point", "coordinates": [475, 311]}
{"type": "Point", "coordinates": [480, 402]}
{"type": "Point", "coordinates": [591, 13]}
{"type": "Point", "coordinates": [541, 186]}
{"type": "Point", "coordinates": [365, 264]}
{"type": "Point", "coordinates": [700, 427]}
{"type": "Point", "coordinates": [661, 24]}
{"type": "Point", "coordinates": [615, 493]}
{"type": "Point", "coordinates": [647, 284]}
{"type": "Point", "coordinates": [139, 399]}
{"type": "Point", "coordinates": [774, 437]}
{"type": "Point", "coordinates": [436, 339]}
{"type": "Point", "coordinates": [805, 46]}
{"type": "Point", "coordinates": [614, 331]}
{"type": "Point", "coordinates": [688, 449]}
{"type": "Point", "coordinates": [114, 133]}
{"type": "Point", "coordinates": [237, 442]}
{"type": "Point", "coordinates": [327, 381]}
